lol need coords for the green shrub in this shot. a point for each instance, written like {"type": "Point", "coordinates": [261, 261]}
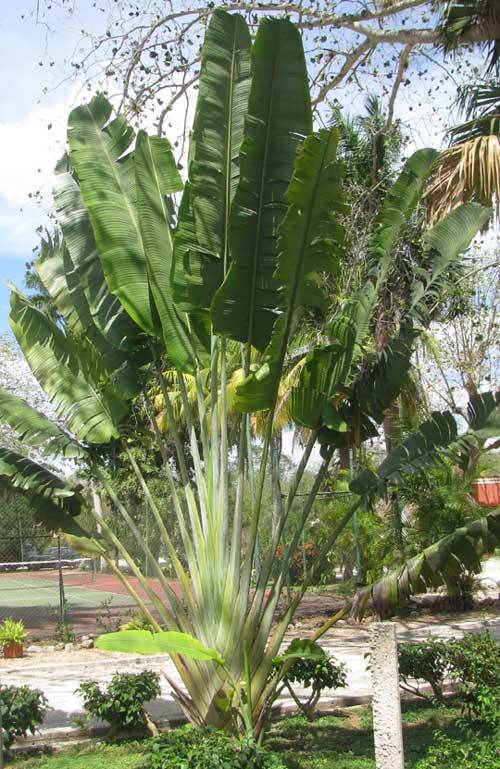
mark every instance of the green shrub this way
{"type": "Point", "coordinates": [475, 664]}
{"type": "Point", "coordinates": [318, 674]}
{"type": "Point", "coordinates": [23, 709]}
{"type": "Point", "coordinates": [463, 752]}
{"type": "Point", "coordinates": [122, 704]}
{"type": "Point", "coordinates": [471, 662]}
{"type": "Point", "coordinates": [194, 748]}
{"type": "Point", "coordinates": [138, 620]}
{"type": "Point", "coordinates": [428, 662]}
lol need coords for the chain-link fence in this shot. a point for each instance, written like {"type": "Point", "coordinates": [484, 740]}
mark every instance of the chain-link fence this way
{"type": "Point", "coordinates": [47, 584]}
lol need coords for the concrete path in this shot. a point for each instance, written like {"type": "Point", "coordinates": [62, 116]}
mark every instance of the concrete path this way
{"type": "Point", "coordinates": [58, 674]}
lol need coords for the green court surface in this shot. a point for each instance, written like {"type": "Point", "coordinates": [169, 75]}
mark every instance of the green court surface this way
{"type": "Point", "coordinates": [21, 590]}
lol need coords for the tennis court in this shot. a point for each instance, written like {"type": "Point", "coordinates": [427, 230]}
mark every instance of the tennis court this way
{"type": "Point", "coordinates": [35, 597]}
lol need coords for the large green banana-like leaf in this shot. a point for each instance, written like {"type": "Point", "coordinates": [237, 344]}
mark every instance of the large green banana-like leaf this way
{"type": "Point", "coordinates": [382, 379]}
{"type": "Point", "coordinates": [27, 475]}
{"type": "Point", "coordinates": [201, 248]}
{"type": "Point", "coordinates": [156, 178]}
{"type": "Point", "coordinates": [397, 208]}
{"type": "Point", "coordinates": [169, 642]}
{"type": "Point", "coordinates": [71, 375]}
{"type": "Point", "coordinates": [279, 117]}
{"type": "Point", "coordinates": [310, 242]}
{"type": "Point", "coordinates": [330, 370]}
{"type": "Point", "coordinates": [440, 564]}
{"type": "Point", "coordinates": [218, 128]}
{"type": "Point", "coordinates": [36, 429]}
{"type": "Point", "coordinates": [195, 271]}
{"type": "Point", "coordinates": [105, 309]}
{"type": "Point", "coordinates": [418, 450]}
{"type": "Point", "coordinates": [107, 182]}
{"type": "Point", "coordinates": [451, 237]}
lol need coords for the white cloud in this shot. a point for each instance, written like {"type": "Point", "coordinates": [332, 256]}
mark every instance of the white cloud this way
{"type": "Point", "coordinates": [28, 153]}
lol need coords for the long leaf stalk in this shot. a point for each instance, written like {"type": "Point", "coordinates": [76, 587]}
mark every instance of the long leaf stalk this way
{"type": "Point", "coordinates": [186, 538]}
{"type": "Point", "coordinates": [213, 457]}
{"type": "Point", "coordinates": [294, 486]}
{"type": "Point", "coordinates": [179, 570]}
{"type": "Point", "coordinates": [267, 613]}
{"type": "Point", "coordinates": [135, 595]}
{"type": "Point", "coordinates": [256, 509]}
{"type": "Point", "coordinates": [224, 446]}
{"type": "Point", "coordinates": [172, 422]}
{"type": "Point", "coordinates": [310, 575]}
{"type": "Point", "coordinates": [181, 616]}
{"type": "Point", "coordinates": [275, 641]}
{"type": "Point", "coordinates": [166, 616]}
{"type": "Point", "coordinates": [185, 400]}
{"type": "Point", "coordinates": [233, 574]}
{"type": "Point", "coordinates": [266, 568]}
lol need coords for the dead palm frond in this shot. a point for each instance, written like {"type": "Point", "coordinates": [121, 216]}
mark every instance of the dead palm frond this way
{"type": "Point", "coordinates": [466, 171]}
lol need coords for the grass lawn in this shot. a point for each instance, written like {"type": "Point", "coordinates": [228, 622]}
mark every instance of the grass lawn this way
{"type": "Point", "coordinates": [340, 741]}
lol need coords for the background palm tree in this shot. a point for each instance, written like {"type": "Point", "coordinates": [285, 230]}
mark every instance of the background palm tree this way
{"type": "Point", "coordinates": [470, 168]}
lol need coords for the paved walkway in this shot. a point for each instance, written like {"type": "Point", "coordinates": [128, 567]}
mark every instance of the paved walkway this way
{"type": "Point", "coordinates": [58, 674]}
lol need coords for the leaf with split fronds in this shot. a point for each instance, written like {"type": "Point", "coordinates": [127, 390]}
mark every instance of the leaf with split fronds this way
{"type": "Point", "coordinates": [380, 383]}
{"type": "Point", "coordinates": [435, 438]}
{"type": "Point", "coordinates": [418, 450]}
{"type": "Point", "coordinates": [483, 417]}
{"type": "Point", "coordinates": [440, 564]}
{"type": "Point", "coordinates": [28, 475]}
{"type": "Point", "coordinates": [330, 370]}
{"type": "Point", "coordinates": [63, 283]}
{"type": "Point", "coordinates": [71, 375]}
{"type": "Point", "coordinates": [36, 429]}
{"type": "Point", "coordinates": [444, 242]}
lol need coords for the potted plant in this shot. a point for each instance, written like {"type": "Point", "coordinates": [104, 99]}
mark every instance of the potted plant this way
{"type": "Point", "coordinates": [12, 635]}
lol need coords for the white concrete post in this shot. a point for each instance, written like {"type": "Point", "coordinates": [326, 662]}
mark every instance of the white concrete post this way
{"type": "Point", "coordinates": [386, 704]}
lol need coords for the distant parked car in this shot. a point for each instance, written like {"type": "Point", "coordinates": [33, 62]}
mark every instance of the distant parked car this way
{"type": "Point", "coordinates": [51, 554]}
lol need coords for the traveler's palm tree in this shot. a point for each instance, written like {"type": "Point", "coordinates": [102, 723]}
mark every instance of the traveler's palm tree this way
{"type": "Point", "coordinates": [145, 290]}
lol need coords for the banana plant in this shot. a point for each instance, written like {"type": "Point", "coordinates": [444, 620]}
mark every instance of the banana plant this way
{"type": "Point", "coordinates": [145, 289]}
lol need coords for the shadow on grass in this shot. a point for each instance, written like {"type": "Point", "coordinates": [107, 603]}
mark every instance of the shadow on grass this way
{"type": "Point", "coordinates": [345, 739]}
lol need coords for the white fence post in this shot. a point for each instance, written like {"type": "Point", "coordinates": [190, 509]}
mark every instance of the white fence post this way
{"type": "Point", "coordinates": [387, 728]}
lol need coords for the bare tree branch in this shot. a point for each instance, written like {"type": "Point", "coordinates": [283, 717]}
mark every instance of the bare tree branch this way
{"type": "Point", "coordinates": [403, 63]}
